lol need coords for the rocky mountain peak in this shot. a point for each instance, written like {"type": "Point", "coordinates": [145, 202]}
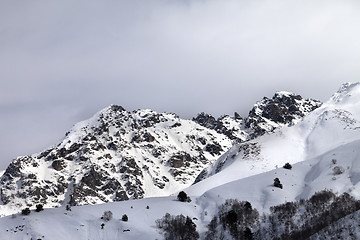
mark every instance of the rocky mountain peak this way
{"type": "Point", "coordinates": [229, 126]}
{"type": "Point", "coordinates": [283, 108]}
{"type": "Point", "coordinates": [115, 155]}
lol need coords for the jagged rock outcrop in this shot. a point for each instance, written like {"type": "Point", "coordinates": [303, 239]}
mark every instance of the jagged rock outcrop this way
{"type": "Point", "coordinates": [227, 125]}
{"type": "Point", "coordinates": [283, 108]}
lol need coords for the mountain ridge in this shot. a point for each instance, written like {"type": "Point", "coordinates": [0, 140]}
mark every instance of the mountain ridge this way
{"type": "Point", "coordinates": [322, 149]}
{"type": "Point", "coordinates": [119, 155]}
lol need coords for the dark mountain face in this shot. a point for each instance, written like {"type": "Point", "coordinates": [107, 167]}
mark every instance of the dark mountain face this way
{"type": "Point", "coordinates": [119, 155]}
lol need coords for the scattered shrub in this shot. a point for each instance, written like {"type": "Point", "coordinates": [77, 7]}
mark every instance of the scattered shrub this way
{"type": "Point", "coordinates": [25, 211]}
{"type": "Point", "coordinates": [338, 170]}
{"type": "Point", "coordinates": [107, 216]}
{"type": "Point", "coordinates": [39, 208]}
{"type": "Point", "coordinates": [183, 197]}
{"type": "Point", "coordinates": [277, 183]}
{"type": "Point", "coordinates": [125, 218]}
{"type": "Point", "coordinates": [287, 166]}
{"type": "Point", "coordinates": [68, 208]}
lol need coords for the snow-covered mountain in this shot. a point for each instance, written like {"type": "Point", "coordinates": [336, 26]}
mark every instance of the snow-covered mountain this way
{"type": "Point", "coordinates": [322, 149]}
{"type": "Point", "coordinates": [116, 155]}
{"type": "Point", "coordinates": [119, 155]}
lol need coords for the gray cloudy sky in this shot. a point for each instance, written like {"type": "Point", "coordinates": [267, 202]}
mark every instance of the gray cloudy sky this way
{"type": "Point", "coordinates": [61, 61]}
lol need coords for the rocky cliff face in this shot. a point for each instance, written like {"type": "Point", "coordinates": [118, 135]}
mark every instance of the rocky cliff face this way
{"type": "Point", "coordinates": [282, 109]}
{"type": "Point", "coordinates": [118, 155]}
{"type": "Point", "coordinates": [232, 127]}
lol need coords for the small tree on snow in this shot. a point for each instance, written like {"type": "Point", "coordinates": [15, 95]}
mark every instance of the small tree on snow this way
{"type": "Point", "coordinates": [39, 208]}
{"type": "Point", "coordinates": [68, 208]}
{"type": "Point", "coordinates": [183, 197]}
{"type": "Point", "coordinates": [277, 183]}
{"type": "Point", "coordinates": [25, 211]}
{"type": "Point", "coordinates": [125, 218]}
{"type": "Point", "coordinates": [287, 166]}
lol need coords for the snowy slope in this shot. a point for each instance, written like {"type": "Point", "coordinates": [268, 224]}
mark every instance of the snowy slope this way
{"type": "Point", "coordinates": [323, 148]}
{"type": "Point", "coordinates": [85, 222]}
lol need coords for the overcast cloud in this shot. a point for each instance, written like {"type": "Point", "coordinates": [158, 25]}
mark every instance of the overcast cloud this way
{"type": "Point", "coordinates": [62, 61]}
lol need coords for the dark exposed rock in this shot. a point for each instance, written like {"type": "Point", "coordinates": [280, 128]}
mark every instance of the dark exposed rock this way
{"type": "Point", "coordinates": [121, 196]}
{"type": "Point", "coordinates": [178, 160]}
{"type": "Point", "coordinates": [148, 137]}
{"type": "Point", "coordinates": [130, 167]}
{"type": "Point", "coordinates": [95, 183]}
{"type": "Point", "coordinates": [13, 170]}
{"type": "Point", "coordinates": [283, 109]}
{"type": "Point", "coordinates": [44, 153]}
{"type": "Point", "coordinates": [177, 124]}
{"type": "Point", "coordinates": [112, 146]}
{"type": "Point", "coordinates": [156, 152]}
{"type": "Point", "coordinates": [202, 140]}
{"type": "Point", "coordinates": [93, 178]}
{"type": "Point", "coordinates": [177, 163]}
{"type": "Point", "coordinates": [237, 116]}
{"type": "Point", "coordinates": [117, 108]}
{"type": "Point", "coordinates": [214, 148]}
{"type": "Point", "coordinates": [206, 120]}
{"type": "Point", "coordinates": [39, 194]}
{"type": "Point", "coordinates": [58, 165]}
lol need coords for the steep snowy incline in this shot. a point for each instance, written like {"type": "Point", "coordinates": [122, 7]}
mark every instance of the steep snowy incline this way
{"type": "Point", "coordinates": [335, 124]}
{"type": "Point", "coordinates": [337, 170]}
